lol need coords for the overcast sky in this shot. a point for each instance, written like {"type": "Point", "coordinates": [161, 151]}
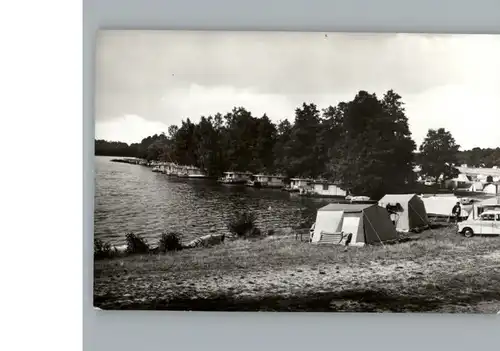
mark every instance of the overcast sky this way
{"type": "Point", "coordinates": [148, 80]}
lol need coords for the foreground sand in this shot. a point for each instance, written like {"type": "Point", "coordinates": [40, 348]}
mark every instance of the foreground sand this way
{"type": "Point", "coordinates": [438, 271]}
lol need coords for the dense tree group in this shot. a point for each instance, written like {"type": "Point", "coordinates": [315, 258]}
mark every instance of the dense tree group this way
{"type": "Point", "coordinates": [364, 145]}
{"type": "Point", "coordinates": [478, 157]}
{"type": "Point", "coordinates": [113, 148]}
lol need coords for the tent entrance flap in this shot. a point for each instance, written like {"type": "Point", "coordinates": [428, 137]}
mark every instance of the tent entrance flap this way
{"type": "Point", "coordinates": [351, 226]}
{"type": "Point", "coordinates": [327, 221]}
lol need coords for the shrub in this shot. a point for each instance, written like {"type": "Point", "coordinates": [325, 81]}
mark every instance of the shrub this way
{"type": "Point", "coordinates": [136, 244]}
{"type": "Point", "coordinates": [243, 225]}
{"type": "Point", "coordinates": [102, 249]}
{"type": "Point", "coordinates": [170, 242]}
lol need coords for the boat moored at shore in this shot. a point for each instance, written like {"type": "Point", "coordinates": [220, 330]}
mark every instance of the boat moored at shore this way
{"type": "Point", "coordinates": [266, 181]}
{"type": "Point", "coordinates": [235, 178]}
{"type": "Point", "coordinates": [196, 173]}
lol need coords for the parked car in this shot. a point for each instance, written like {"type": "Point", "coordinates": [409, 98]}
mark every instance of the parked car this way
{"type": "Point", "coordinates": [488, 223]}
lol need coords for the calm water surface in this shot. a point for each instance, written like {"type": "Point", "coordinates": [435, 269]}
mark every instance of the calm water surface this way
{"type": "Point", "coordinates": [132, 198]}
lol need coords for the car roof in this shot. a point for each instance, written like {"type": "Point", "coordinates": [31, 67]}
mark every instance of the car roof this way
{"type": "Point", "coordinates": [491, 212]}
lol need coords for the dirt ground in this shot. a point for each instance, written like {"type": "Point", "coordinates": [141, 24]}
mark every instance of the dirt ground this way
{"type": "Point", "coordinates": [435, 271]}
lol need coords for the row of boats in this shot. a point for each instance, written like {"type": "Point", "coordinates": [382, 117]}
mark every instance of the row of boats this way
{"type": "Point", "coordinates": [300, 186]}
{"type": "Point", "coordinates": [229, 178]}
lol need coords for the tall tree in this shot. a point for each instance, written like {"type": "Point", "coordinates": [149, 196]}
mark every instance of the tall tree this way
{"type": "Point", "coordinates": [375, 152]}
{"type": "Point", "coordinates": [241, 131]}
{"type": "Point", "coordinates": [185, 144]}
{"type": "Point", "coordinates": [264, 142]}
{"type": "Point", "coordinates": [331, 134]}
{"type": "Point", "coordinates": [284, 133]}
{"type": "Point", "coordinates": [403, 152]}
{"type": "Point", "coordinates": [439, 155]}
{"type": "Point", "coordinates": [301, 150]}
{"type": "Point", "coordinates": [208, 149]}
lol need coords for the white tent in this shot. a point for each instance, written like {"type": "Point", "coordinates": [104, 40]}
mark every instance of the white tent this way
{"type": "Point", "coordinates": [491, 188]}
{"type": "Point", "coordinates": [365, 224]}
{"type": "Point", "coordinates": [407, 211]}
{"type": "Point", "coordinates": [442, 205]}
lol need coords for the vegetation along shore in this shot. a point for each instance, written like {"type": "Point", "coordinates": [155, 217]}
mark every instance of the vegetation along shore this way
{"type": "Point", "coordinates": [364, 145]}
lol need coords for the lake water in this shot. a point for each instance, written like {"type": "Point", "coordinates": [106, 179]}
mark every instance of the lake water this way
{"type": "Point", "coordinates": [132, 198]}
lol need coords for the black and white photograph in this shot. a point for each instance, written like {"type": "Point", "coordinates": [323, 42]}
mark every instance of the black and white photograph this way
{"type": "Point", "coordinates": [297, 172]}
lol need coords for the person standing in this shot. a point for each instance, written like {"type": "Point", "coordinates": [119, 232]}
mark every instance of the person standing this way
{"type": "Point", "coordinates": [456, 211]}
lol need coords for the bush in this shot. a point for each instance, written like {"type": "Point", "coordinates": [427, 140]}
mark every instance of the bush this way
{"type": "Point", "coordinates": [243, 225]}
{"type": "Point", "coordinates": [103, 250]}
{"type": "Point", "coordinates": [136, 244]}
{"type": "Point", "coordinates": [170, 242]}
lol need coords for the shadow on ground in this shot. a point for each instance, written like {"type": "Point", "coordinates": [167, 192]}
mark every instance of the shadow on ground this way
{"type": "Point", "coordinates": [344, 301]}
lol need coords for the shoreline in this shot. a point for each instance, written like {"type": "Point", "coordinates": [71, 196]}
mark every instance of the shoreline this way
{"type": "Point", "coordinates": [423, 189]}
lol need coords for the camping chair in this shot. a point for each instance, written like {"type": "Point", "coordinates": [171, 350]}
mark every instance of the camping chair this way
{"type": "Point", "coordinates": [335, 238]}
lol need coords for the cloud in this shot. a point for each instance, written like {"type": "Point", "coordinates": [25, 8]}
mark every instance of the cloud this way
{"type": "Point", "coordinates": [165, 76]}
{"type": "Point", "coordinates": [128, 129]}
{"type": "Point", "coordinates": [470, 113]}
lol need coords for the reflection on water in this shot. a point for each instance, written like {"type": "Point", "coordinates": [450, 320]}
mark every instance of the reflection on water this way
{"type": "Point", "coordinates": [132, 198]}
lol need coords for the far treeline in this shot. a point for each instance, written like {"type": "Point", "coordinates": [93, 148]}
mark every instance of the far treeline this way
{"type": "Point", "coordinates": [364, 145]}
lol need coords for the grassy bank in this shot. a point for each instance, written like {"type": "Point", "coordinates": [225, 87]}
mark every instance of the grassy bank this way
{"type": "Point", "coordinates": [437, 271]}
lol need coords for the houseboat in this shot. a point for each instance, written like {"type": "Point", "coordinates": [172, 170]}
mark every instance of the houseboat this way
{"type": "Point", "coordinates": [196, 173]}
{"type": "Point", "coordinates": [324, 188]}
{"type": "Point", "coordinates": [266, 181]}
{"type": "Point", "coordinates": [300, 185]}
{"type": "Point", "coordinates": [171, 169]}
{"type": "Point", "coordinates": [182, 172]}
{"type": "Point", "coordinates": [235, 178]}
{"type": "Point", "coordinates": [132, 161]}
